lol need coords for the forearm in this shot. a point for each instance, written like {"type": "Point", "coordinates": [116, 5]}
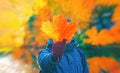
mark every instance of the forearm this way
{"type": "Point", "coordinates": [85, 64]}
{"type": "Point", "coordinates": [45, 60]}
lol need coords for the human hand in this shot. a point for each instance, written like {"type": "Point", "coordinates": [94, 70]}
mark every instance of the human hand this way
{"type": "Point", "coordinates": [58, 49]}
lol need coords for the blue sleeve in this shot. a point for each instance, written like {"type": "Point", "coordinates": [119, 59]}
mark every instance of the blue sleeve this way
{"type": "Point", "coordinates": [85, 65]}
{"type": "Point", "coordinates": [84, 62]}
{"type": "Point", "coordinates": [45, 61]}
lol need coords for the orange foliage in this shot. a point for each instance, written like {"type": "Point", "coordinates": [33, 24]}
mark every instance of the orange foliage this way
{"type": "Point", "coordinates": [43, 15]}
{"type": "Point", "coordinates": [93, 36]}
{"type": "Point", "coordinates": [65, 29]}
{"type": "Point", "coordinates": [107, 2]}
{"type": "Point", "coordinates": [115, 32]}
{"type": "Point", "coordinates": [41, 39]}
{"type": "Point", "coordinates": [115, 70]}
{"type": "Point", "coordinates": [18, 53]}
{"type": "Point", "coordinates": [116, 14]}
{"type": "Point", "coordinates": [78, 10]}
{"type": "Point", "coordinates": [103, 37]}
{"type": "Point", "coordinates": [60, 29]}
{"type": "Point", "coordinates": [107, 64]}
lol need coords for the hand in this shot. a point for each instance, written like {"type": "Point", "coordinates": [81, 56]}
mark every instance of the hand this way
{"type": "Point", "coordinates": [58, 50]}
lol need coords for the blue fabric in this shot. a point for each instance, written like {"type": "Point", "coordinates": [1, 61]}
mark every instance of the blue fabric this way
{"type": "Point", "coordinates": [73, 61]}
{"type": "Point", "coordinates": [50, 43]}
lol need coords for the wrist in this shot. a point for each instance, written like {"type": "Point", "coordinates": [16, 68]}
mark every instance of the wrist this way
{"type": "Point", "coordinates": [56, 58]}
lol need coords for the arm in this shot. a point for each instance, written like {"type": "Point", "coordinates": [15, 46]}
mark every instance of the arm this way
{"type": "Point", "coordinates": [85, 67]}
{"type": "Point", "coordinates": [45, 60]}
{"type": "Point", "coordinates": [73, 44]}
{"type": "Point", "coordinates": [84, 62]}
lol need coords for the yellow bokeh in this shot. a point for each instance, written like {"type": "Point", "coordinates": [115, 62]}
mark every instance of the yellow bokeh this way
{"type": "Point", "coordinates": [14, 14]}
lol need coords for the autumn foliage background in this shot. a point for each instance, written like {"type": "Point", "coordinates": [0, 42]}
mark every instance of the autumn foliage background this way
{"type": "Point", "coordinates": [26, 26]}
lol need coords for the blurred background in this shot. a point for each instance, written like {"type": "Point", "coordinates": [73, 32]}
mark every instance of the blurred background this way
{"type": "Point", "coordinates": [21, 38]}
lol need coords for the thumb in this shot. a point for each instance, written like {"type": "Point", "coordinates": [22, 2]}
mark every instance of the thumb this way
{"type": "Point", "coordinates": [50, 43]}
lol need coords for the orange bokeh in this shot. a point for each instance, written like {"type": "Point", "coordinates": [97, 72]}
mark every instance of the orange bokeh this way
{"type": "Point", "coordinates": [103, 63]}
{"type": "Point", "coordinates": [103, 37]}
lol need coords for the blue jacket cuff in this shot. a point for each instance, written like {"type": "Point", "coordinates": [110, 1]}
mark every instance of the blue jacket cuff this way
{"type": "Point", "coordinates": [51, 60]}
